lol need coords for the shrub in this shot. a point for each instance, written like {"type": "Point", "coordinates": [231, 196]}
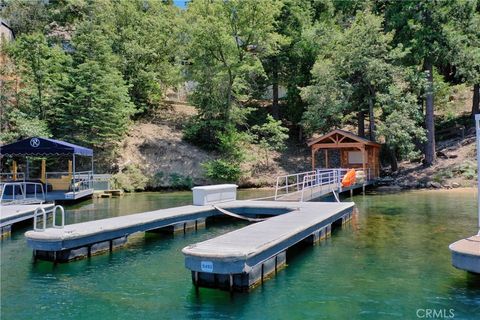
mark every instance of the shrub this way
{"type": "Point", "coordinates": [178, 181]}
{"type": "Point", "coordinates": [270, 136]}
{"type": "Point", "coordinates": [203, 133]}
{"type": "Point", "coordinates": [222, 170]}
{"type": "Point", "coordinates": [468, 169]}
{"type": "Point", "coordinates": [130, 179]}
{"type": "Point", "coordinates": [156, 180]}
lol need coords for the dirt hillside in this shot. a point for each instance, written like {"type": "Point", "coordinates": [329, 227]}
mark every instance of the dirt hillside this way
{"type": "Point", "coordinates": [156, 148]}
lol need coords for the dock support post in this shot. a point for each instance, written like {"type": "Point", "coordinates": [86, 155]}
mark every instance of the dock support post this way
{"type": "Point", "coordinates": [351, 193]}
{"type": "Point", "coordinates": [200, 223]}
{"type": "Point", "coordinates": [276, 258]}
{"type": "Point", "coordinates": [6, 231]}
{"type": "Point", "coordinates": [263, 272]}
{"type": "Point", "coordinates": [363, 189]}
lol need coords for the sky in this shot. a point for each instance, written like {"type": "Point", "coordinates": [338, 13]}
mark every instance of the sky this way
{"type": "Point", "coordinates": [181, 3]}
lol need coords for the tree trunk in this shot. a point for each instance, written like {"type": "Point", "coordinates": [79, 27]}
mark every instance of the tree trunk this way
{"type": "Point", "coordinates": [229, 96]}
{"type": "Point", "coordinates": [393, 160]}
{"type": "Point", "coordinates": [476, 99]}
{"type": "Point", "coordinates": [361, 124]}
{"type": "Point", "coordinates": [429, 117]}
{"type": "Point", "coordinates": [275, 107]}
{"type": "Point", "coordinates": [371, 119]}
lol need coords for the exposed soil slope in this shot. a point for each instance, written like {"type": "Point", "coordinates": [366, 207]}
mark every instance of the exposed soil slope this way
{"type": "Point", "coordinates": [155, 146]}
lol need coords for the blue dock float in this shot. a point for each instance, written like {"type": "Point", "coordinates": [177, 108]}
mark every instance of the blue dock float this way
{"type": "Point", "coordinates": [241, 259]}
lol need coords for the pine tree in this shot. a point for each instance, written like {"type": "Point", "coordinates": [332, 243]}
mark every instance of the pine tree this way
{"type": "Point", "coordinates": [96, 104]}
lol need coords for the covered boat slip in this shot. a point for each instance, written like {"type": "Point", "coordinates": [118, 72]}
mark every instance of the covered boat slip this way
{"type": "Point", "coordinates": [71, 184]}
{"type": "Point", "coordinates": [241, 259]}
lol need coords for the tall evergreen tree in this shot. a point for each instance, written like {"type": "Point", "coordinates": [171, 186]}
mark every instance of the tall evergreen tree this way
{"type": "Point", "coordinates": [147, 43]}
{"type": "Point", "coordinates": [95, 100]}
{"type": "Point", "coordinates": [419, 27]}
{"type": "Point", "coordinates": [225, 40]}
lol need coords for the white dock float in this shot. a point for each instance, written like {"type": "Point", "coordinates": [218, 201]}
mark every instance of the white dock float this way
{"type": "Point", "coordinates": [241, 259]}
{"type": "Point", "coordinates": [214, 194]}
{"type": "Point", "coordinates": [85, 239]}
{"type": "Point", "coordinates": [466, 254]}
{"type": "Point", "coordinates": [15, 213]}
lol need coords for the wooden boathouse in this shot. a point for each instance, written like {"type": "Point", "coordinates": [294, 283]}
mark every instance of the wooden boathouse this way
{"type": "Point", "coordinates": [355, 152]}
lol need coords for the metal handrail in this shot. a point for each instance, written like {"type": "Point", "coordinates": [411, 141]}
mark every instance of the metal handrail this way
{"type": "Point", "coordinates": [298, 177]}
{"type": "Point", "coordinates": [311, 179]}
{"type": "Point", "coordinates": [23, 197]}
{"type": "Point", "coordinates": [54, 212]}
{"type": "Point", "coordinates": [9, 174]}
{"type": "Point", "coordinates": [44, 216]}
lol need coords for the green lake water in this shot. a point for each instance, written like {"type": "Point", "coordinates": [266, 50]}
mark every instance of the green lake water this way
{"type": "Point", "coordinates": [391, 262]}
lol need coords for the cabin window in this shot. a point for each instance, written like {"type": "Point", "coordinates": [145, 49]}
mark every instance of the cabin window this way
{"type": "Point", "coordinates": [355, 157]}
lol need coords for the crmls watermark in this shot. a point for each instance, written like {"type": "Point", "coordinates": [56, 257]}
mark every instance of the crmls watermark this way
{"type": "Point", "coordinates": [435, 313]}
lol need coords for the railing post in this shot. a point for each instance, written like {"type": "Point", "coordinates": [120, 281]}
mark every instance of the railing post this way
{"type": "Point", "coordinates": [286, 183]}
{"type": "Point", "coordinates": [62, 211]}
{"type": "Point", "coordinates": [276, 188]}
{"type": "Point", "coordinates": [39, 211]}
{"type": "Point", "coordinates": [303, 188]}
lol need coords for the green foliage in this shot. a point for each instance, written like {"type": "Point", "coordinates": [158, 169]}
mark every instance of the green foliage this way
{"type": "Point", "coordinates": [468, 169]}
{"type": "Point", "coordinates": [349, 73]}
{"type": "Point", "coordinates": [82, 70]}
{"type": "Point", "coordinates": [232, 144]}
{"type": "Point", "coordinates": [270, 136]}
{"type": "Point", "coordinates": [179, 181]}
{"type": "Point", "coordinates": [41, 69]}
{"type": "Point", "coordinates": [16, 125]}
{"type": "Point", "coordinates": [224, 43]}
{"type": "Point", "coordinates": [26, 16]}
{"type": "Point", "coordinates": [203, 132]}
{"type": "Point", "coordinates": [96, 107]}
{"type": "Point", "coordinates": [232, 147]}
{"type": "Point", "coordinates": [156, 180]}
{"type": "Point", "coordinates": [222, 170]}
{"type": "Point", "coordinates": [400, 125]}
{"type": "Point", "coordinates": [130, 179]}
{"type": "Point", "coordinates": [146, 40]}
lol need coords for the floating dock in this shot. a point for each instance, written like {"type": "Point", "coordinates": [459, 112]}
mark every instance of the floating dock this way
{"type": "Point", "coordinates": [239, 260]}
{"type": "Point", "coordinates": [15, 213]}
{"type": "Point", "coordinates": [84, 239]}
{"type": "Point", "coordinates": [466, 254]}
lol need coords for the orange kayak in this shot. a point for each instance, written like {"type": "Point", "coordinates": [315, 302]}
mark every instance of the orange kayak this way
{"type": "Point", "coordinates": [349, 178]}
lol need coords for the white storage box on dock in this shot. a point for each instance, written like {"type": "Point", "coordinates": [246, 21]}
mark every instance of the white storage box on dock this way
{"type": "Point", "coordinates": [213, 194]}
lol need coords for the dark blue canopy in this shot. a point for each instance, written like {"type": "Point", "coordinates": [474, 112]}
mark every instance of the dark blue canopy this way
{"type": "Point", "coordinates": [43, 146]}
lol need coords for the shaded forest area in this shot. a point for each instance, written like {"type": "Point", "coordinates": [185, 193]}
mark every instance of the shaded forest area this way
{"type": "Point", "coordinates": [84, 71]}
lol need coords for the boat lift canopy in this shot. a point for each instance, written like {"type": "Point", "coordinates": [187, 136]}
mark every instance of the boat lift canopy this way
{"type": "Point", "coordinates": [42, 147]}
{"type": "Point", "coordinates": [69, 185]}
